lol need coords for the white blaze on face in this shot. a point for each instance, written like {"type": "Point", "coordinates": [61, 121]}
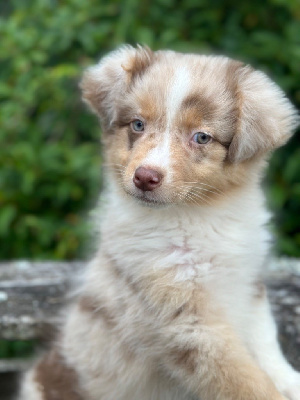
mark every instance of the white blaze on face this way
{"type": "Point", "coordinates": [160, 156]}
{"type": "Point", "coordinates": [178, 91]}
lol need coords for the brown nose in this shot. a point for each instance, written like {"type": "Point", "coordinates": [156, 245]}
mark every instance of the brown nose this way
{"type": "Point", "coordinates": [146, 179]}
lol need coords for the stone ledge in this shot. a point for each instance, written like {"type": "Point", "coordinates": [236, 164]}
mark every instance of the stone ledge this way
{"type": "Point", "coordinates": [31, 294]}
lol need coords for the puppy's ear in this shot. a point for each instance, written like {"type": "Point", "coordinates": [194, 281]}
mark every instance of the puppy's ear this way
{"type": "Point", "coordinates": [266, 117]}
{"type": "Point", "coordinates": [105, 83]}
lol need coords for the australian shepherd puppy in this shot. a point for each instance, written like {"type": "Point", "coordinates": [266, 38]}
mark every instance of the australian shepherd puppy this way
{"type": "Point", "coordinates": [172, 306]}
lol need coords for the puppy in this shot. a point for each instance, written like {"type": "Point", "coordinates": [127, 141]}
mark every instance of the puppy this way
{"type": "Point", "coordinates": [172, 306]}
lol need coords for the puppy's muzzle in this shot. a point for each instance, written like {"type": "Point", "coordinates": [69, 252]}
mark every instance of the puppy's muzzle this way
{"type": "Point", "coordinates": [147, 179]}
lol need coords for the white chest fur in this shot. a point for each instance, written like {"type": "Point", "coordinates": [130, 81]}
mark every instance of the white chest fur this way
{"type": "Point", "coordinates": [202, 243]}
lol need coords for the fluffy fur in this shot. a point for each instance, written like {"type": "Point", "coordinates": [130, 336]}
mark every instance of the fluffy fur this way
{"type": "Point", "coordinates": [172, 305]}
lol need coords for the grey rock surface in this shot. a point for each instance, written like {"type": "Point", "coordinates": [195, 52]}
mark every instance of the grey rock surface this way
{"type": "Point", "coordinates": [31, 294]}
{"type": "Point", "coordinates": [283, 280]}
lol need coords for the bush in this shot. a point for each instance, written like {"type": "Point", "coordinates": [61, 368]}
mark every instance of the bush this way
{"type": "Point", "coordinates": [49, 151]}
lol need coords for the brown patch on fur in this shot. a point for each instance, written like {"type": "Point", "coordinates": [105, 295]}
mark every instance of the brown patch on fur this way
{"type": "Point", "coordinates": [191, 118]}
{"type": "Point", "coordinates": [146, 143]}
{"type": "Point", "coordinates": [186, 359]}
{"type": "Point", "coordinates": [151, 105]}
{"type": "Point", "coordinates": [147, 110]}
{"type": "Point", "coordinates": [150, 294]}
{"type": "Point", "coordinates": [132, 137]}
{"type": "Point", "coordinates": [239, 100]}
{"type": "Point", "coordinates": [125, 115]}
{"type": "Point", "coordinates": [138, 64]}
{"type": "Point", "coordinates": [178, 312]}
{"type": "Point", "coordinates": [56, 380]}
{"type": "Point", "coordinates": [204, 106]}
{"type": "Point", "coordinates": [87, 305]}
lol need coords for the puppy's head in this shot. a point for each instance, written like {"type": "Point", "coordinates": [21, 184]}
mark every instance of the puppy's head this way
{"type": "Point", "coordinates": [184, 128]}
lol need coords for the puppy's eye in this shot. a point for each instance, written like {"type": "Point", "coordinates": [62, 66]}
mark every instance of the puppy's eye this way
{"type": "Point", "coordinates": [201, 138]}
{"type": "Point", "coordinates": [137, 125]}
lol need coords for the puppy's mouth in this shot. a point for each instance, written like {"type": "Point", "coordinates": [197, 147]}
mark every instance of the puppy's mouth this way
{"type": "Point", "coordinates": [148, 199]}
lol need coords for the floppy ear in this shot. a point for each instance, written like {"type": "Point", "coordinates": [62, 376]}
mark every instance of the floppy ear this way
{"type": "Point", "coordinates": [103, 84]}
{"type": "Point", "coordinates": [266, 117]}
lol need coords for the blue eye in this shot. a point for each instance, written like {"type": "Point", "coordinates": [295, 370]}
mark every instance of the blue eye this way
{"type": "Point", "coordinates": [137, 125]}
{"type": "Point", "coordinates": [201, 138]}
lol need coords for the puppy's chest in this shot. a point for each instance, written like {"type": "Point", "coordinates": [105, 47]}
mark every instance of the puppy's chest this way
{"type": "Point", "coordinates": [184, 254]}
{"type": "Point", "coordinates": [189, 251]}
{"type": "Point", "coordinates": [160, 261]}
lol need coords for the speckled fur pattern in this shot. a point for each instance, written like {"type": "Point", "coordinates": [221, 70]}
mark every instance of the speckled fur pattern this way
{"type": "Point", "coordinates": [172, 306]}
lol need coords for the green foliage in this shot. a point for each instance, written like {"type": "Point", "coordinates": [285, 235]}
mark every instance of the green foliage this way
{"type": "Point", "coordinates": [49, 152]}
{"type": "Point", "coordinates": [16, 348]}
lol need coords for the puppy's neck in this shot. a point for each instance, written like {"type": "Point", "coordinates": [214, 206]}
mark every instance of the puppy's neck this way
{"type": "Point", "coordinates": [184, 237]}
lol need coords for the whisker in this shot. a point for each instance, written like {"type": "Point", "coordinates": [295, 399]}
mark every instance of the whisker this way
{"type": "Point", "coordinates": [191, 198]}
{"type": "Point", "coordinates": [105, 164]}
{"type": "Point", "coordinates": [205, 198]}
{"type": "Point", "coordinates": [203, 184]}
{"type": "Point", "coordinates": [210, 186]}
{"type": "Point", "coordinates": [207, 190]}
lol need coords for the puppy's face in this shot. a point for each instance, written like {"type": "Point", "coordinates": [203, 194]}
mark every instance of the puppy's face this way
{"type": "Point", "coordinates": [184, 128]}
